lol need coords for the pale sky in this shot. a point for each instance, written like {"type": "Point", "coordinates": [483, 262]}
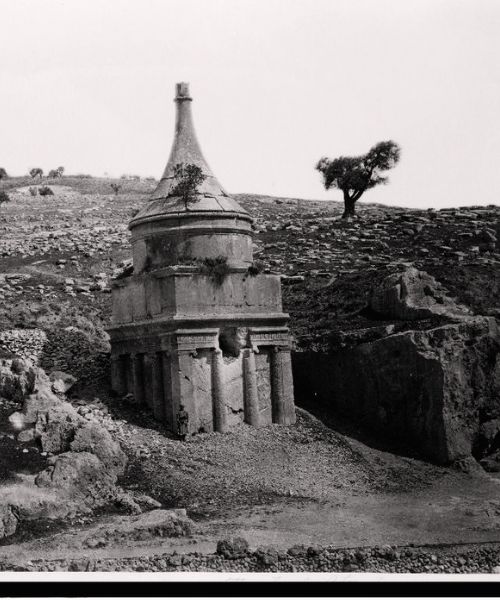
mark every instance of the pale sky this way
{"type": "Point", "coordinates": [89, 84]}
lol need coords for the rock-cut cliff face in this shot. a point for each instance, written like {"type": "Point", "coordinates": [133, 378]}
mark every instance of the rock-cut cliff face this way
{"type": "Point", "coordinates": [433, 389]}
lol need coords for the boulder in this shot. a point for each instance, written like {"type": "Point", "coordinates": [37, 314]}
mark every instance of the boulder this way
{"type": "Point", "coordinates": [26, 436]}
{"type": "Point", "coordinates": [17, 379]}
{"type": "Point", "coordinates": [412, 295]}
{"type": "Point", "coordinates": [93, 438]}
{"type": "Point", "coordinates": [28, 502]}
{"type": "Point", "coordinates": [491, 463]}
{"type": "Point", "coordinates": [267, 556]}
{"type": "Point", "coordinates": [82, 476]}
{"type": "Point", "coordinates": [40, 401]}
{"type": "Point", "coordinates": [61, 382]}
{"type": "Point", "coordinates": [232, 548]}
{"type": "Point", "coordinates": [8, 521]}
{"type": "Point", "coordinates": [54, 421]}
{"type": "Point", "coordinates": [56, 427]}
{"type": "Point", "coordinates": [156, 523]}
{"type": "Point", "coordinates": [487, 439]}
{"type": "Point", "coordinates": [145, 502]}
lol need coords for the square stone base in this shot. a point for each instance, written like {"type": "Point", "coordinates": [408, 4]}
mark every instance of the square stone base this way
{"type": "Point", "coordinates": [222, 376]}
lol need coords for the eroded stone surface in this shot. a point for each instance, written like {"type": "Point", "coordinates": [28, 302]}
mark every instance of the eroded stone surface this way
{"type": "Point", "coordinates": [412, 295]}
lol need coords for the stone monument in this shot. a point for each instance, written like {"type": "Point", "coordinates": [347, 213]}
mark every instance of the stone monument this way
{"type": "Point", "coordinates": [196, 325]}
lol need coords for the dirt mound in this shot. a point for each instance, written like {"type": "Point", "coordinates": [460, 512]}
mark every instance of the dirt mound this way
{"type": "Point", "coordinates": [215, 472]}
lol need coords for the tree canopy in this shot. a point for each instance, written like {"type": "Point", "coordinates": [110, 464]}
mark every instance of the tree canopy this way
{"type": "Point", "coordinates": [53, 173]}
{"type": "Point", "coordinates": [356, 174]}
{"type": "Point", "coordinates": [36, 172]}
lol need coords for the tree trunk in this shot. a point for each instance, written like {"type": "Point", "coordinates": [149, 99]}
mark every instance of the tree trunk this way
{"type": "Point", "coordinates": [349, 204]}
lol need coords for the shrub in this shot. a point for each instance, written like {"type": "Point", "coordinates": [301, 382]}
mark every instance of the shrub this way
{"type": "Point", "coordinates": [256, 267]}
{"type": "Point", "coordinates": [216, 268]}
{"type": "Point", "coordinates": [33, 190]}
{"type": "Point", "coordinates": [44, 190]}
{"type": "Point", "coordinates": [4, 197]}
{"type": "Point", "coordinates": [53, 173]}
{"type": "Point", "coordinates": [116, 187]}
{"type": "Point", "coordinates": [3, 173]}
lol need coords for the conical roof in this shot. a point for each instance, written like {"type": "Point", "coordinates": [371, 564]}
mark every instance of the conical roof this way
{"type": "Point", "coordinates": [210, 195]}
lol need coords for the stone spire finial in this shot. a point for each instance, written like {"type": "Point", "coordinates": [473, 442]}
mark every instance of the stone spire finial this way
{"type": "Point", "coordinates": [186, 149]}
{"type": "Point", "coordinates": [182, 92]}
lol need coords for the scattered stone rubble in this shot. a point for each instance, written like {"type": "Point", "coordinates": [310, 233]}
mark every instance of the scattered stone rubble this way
{"type": "Point", "coordinates": [155, 523]}
{"type": "Point", "coordinates": [23, 343]}
{"type": "Point", "coordinates": [379, 559]}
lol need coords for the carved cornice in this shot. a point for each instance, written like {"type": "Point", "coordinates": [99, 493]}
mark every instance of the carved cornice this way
{"type": "Point", "coordinates": [262, 336]}
{"type": "Point", "coordinates": [204, 215]}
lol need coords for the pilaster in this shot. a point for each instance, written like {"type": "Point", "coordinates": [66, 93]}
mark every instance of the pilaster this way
{"type": "Point", "coordinates": [118, 375]}
{"type": "Point", "coordinates": [157, 400]}
{"type": "Point", "coordinates": [283, 409]}
{"type": "Point", "coordinates": [251, 390]}
{"type": "Point", "coordinates": [219, 396]}
{"type": "Point", "coordinates": [137, 367]}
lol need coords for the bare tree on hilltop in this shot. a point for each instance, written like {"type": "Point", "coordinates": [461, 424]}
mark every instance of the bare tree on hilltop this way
{"type": "Point", "coordinates": [356, 174]}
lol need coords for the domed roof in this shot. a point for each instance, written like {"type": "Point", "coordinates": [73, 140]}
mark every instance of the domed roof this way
{"type": "Point", "coordinates": [210, 195]}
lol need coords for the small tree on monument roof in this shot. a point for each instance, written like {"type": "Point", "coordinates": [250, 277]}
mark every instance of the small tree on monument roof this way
{"type": "Point", "coordinates": [356, 174]}
{"type": "Point", "coordinates": [187, 177]}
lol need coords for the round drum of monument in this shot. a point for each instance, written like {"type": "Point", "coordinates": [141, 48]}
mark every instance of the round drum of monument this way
{"type": "Point", "coordinates": [173, 228]}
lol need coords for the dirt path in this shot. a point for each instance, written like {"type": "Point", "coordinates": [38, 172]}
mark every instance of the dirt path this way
{"type": "Point", "coordinates": [433, 518]}
{"type": "Point", "coordinates": [444, 514]}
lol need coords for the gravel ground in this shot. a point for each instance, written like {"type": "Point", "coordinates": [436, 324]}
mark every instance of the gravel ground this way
{"type": "Point", "coordinates": [255, 466]}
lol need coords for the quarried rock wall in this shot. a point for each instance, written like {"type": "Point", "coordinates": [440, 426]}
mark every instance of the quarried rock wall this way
{"type": "Point", "coordinates": [432, 388]}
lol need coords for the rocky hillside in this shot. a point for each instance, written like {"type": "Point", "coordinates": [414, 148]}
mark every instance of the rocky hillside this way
{"type": "Point", "coordinates": [58, 255]}
{"type": "Point", "coordinates": [59, 252]}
